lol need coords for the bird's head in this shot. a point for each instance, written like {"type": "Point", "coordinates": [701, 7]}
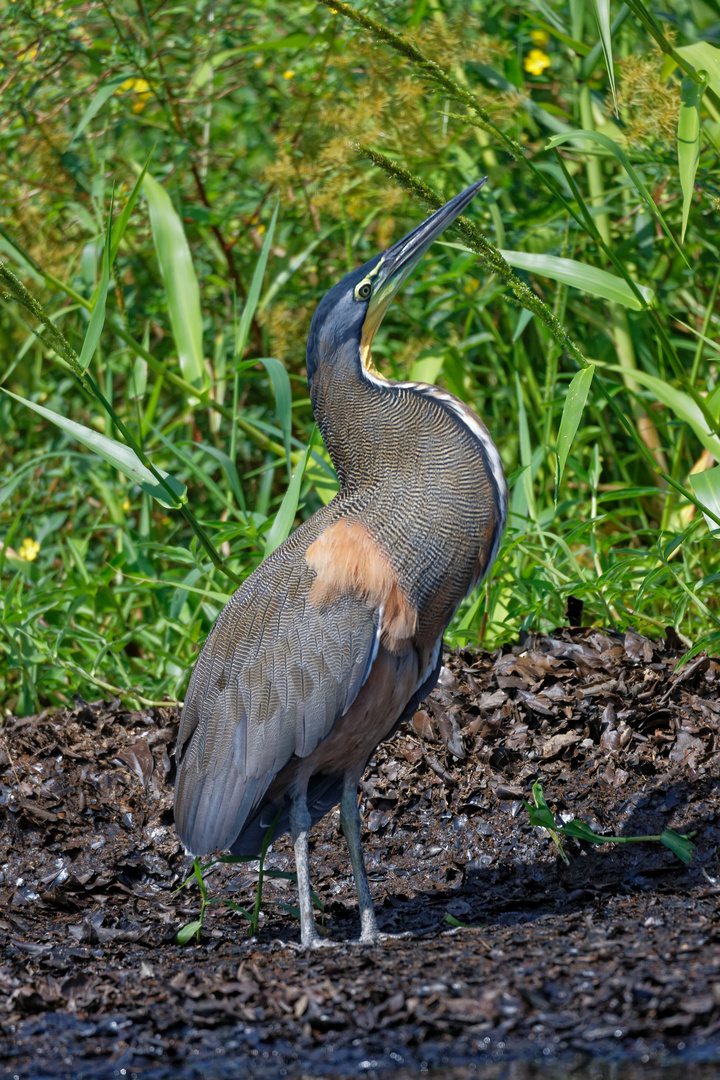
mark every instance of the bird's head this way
{"type": "Point", "coordinates": [347, 318]}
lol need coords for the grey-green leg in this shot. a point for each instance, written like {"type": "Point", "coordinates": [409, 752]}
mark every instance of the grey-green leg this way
{"type": "Point", "coordinates": [350, 825]}
{"type": "Point", "coordinates": [300, 822]}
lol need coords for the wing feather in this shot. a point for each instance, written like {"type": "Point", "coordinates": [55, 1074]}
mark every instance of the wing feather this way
{"type": "Point", "coordinates": [274, 675]}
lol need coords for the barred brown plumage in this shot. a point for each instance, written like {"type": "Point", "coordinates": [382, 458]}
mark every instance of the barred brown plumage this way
{"type": "Point", "coordinates": [337, 636]}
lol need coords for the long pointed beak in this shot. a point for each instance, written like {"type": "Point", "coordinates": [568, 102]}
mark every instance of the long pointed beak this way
{"type": "Point", "coordinates": [399, 261]}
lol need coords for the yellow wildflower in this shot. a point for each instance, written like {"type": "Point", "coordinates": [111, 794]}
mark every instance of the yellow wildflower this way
{"type": "Point", "coordinates": [541, 38]}
{"type": "Point", "coordinates": [29, 549]}
{"type": "Point", "coordinates": [258, 62]}
{"type": "Point", "coordinates": [536, 61]}
{"type": "Point", "coordinates": [127, 505]}
{"type": "Point", "coordinates": [139, 87]}
{"type": "Point", "coordinates": [289, 74]}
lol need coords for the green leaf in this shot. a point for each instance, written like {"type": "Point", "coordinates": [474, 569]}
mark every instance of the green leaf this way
{"type": "Point", "coordinates": [117, 454]}
{"type": "Point", "coordinates": [704, 57]}
{"type": "Point", "coordinates": [427, 369]}
{"type": "Point", "coordinates": [122, 222]}
{"type": "Point", "coordinates": [230, 470]}
{"type": "Point", "coordinates": [189, 930]}
{"type": "Point", "coordinates": [602, 14]}
{"type": "Point", "coordinates": [106, 91]}
{"type": "Point", "coordinates": [688, 144]}
{"type": "Point", "coordinates": [609, 144]}
{"type": "Point", "coordinates": [321, 474]}
{"type": "Point", "coordinates": [294, 42]}
{"type": "Point", "coordinates": [524, 493]}
{"type": "Point", "coordinates": [283, 398]}
{"type": "Point", "coordinates": [582, 831]}
{"type": "Point", "coordinates": [181, 287]}
{"type": "Point", "coordinates": [452, 921]}
{"type": "Point", "coordinates": [97, 319]}
{"type": "Point", "coordinates": [682, 846]}
{"type": "Point", "coordinates": [577, 394]}
{"type": "Point", "coordinates": [253, 295]}
{"type": "Point", "coordinates": [285, 517]}
{"type": "Point", "coordinates": [681, 404]}
{"type": "Point", "coordinates": [581, 276]}
{"type": "Point", "coordinates": [552, 17]}
{"type": "Point", "coordinates": [706, 486]}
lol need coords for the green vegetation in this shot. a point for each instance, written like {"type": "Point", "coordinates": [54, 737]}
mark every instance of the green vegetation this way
{"type": "Point", "coordinates": [180, 185]}
{"type": "Point", "coordinates": [194, 928]}
{"type": "Point", "coordinates": [542, 817]}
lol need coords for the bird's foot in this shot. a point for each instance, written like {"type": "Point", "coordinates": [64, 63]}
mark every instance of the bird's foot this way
{"type": "Point", "coordinates": [310, 942]}
{"type": "Point", "coordinates": [377, 937]}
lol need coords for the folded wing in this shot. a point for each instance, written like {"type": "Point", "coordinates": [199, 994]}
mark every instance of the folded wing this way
{"type": "Point", "coordinates": [274, 675]}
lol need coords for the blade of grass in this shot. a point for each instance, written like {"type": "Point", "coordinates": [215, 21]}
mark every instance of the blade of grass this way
{"type": "Point", "coordinates": [117, 454]}
{"type": "Point", "coordinates": [588, 279]}
{"type": "Point", "coordinates": [572, 412]}
{"type": "Point", "coordinates": [97, 319]}
{"type": "Point", "coordinates": [609, 144]}
{"type": "Point", "coordinates": [181, 286]}
{"type": "Point", "coordinates": [285, 516]}
{"type": "Point", "coordinates": [688, 145]}
{"type": "Point", "coordinates": [602, 15]}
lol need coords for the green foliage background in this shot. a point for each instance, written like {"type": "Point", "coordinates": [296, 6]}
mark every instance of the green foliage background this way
{"type": "Point", "coordinates": [335, 118]}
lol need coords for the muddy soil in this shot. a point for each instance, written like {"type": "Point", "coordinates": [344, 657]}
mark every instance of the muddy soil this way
{"type": "Point", "coordinates": [614, 958]}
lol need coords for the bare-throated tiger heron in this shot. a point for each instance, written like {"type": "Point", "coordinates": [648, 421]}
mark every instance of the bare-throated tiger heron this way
{"type": "Point", "coordinates": [337, 636]}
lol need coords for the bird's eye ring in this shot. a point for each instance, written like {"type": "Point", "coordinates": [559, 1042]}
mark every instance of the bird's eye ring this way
{"type": "Point", "coordinates": [364, 290]}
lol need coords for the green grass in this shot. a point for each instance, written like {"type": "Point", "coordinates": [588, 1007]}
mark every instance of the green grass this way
{"type": "Point", "coordinates": [280, 146]}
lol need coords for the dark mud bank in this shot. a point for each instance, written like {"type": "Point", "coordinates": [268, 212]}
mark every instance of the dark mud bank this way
{"type": "Point", "coordinates": [611, 962]}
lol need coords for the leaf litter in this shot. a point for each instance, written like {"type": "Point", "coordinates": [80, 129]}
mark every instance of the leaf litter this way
{"type": "Point", "coordinates": [513, 955]}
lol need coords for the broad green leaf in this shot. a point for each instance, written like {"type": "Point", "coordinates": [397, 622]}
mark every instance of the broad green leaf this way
{"type": "Point", "coordinates": [253, 295]}
{"type": "Point", "coordinates": [586, 278]}
{"type": "Point", "coordinates": [688, 144]}
{"type": "Point", "coordinates": [682, 846]}
{"type": "Point", "coordinates": [681, 404]}
{"type": "Point", "coordinates": [602, 14]}
{"type": "Point", "coordinates": [283, 522]}
{"type": "Point", "coordinates": [181, 287]}
{"type": "Point", "coordinates": [117, 454]}
{"type": "Point", "coordinates": [427, 369]}
{"type": "Point", "coordinates": [706, 486]}
{"type": "Point", "coordinates": [582, 831]}
{"type": "Point", "coordinates": [189, 930]}
{"type": "Point", "coordinates": [617, 151]}
{"type": "Point", "coordinates": [106, 91]}
{"type": "Point", "coordinates": [704, 57]}
{"type": "Point", "coordinates": [578, 391]}
{"type": "Point", "coordinates": [283, 398]}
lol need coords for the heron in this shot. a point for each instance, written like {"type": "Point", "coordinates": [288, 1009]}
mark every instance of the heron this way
{"type": "Point", "coordinates": [336, 638]}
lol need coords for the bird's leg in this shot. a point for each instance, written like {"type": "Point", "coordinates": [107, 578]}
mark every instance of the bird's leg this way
{"type": "Point", "coordinates": [350, 825]}
{"type": "Point", "coordinates": [300, 822]}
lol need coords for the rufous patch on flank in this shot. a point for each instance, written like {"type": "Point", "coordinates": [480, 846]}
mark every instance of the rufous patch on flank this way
{"type": "Point", "coordinates": [346, 558]}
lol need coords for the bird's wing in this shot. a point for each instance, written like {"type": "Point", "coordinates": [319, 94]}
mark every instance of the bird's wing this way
{"type": "Point", "coordinates": [273, 677]}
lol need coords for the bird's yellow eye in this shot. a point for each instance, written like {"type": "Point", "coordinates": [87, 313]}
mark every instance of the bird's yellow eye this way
{"type": "Point", "coordinates": [363, 291]}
